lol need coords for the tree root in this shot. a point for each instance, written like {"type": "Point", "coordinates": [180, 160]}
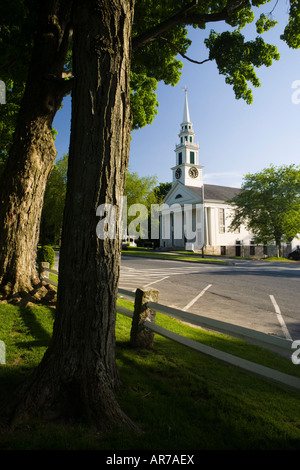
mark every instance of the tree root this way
{"type": "Point", "coordinates": [39, 293]}
{"type": "Point", "coordinates": [59, 404]}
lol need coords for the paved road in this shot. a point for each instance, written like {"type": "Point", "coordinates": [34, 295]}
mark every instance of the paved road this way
{"type": "Point", "coordinates": [264, 296]}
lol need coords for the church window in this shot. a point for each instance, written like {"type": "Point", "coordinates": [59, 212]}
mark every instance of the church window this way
{"type": "Point", "coordinates": [191, 138]}
{"type": "Point", "coordinates": [192, 157]}
{"type": "Point", "coordinates": [178, 196]}
{"type": "Point", "coordinates": [221, 220]}
{"type": "Point", "coordinates": [179, 158]}
{"type": "Point", "coordinates": [185, 137]}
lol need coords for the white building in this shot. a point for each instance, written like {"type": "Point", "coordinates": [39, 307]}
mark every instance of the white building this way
{"type": "Point", "coordinates": [196, 216]}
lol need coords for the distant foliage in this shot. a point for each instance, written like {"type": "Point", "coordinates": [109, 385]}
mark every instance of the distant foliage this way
{"type": "Point", "coordinates": [292, 30]}
{"type": "Point", "coordinates": [269, 205]}
{"type": "Point", "coordinates": [46, 254]}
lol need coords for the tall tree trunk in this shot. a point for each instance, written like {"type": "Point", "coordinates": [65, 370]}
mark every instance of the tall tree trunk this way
{"type": "Point", "coordinates": [78, 375]}
{"type": "Point", "coordinates": [33, 152]}
{"type": "Point", "coordinates": [279, 248]}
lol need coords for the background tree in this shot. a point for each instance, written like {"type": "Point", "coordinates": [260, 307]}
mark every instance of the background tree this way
{"type": "Point", "coordinates": [54, 203]}
{"type": "Point", "coordinates": [269, 205]}
{"type": "Point", "coordinates": [291, 33]}
{"type": "Point", "coordinates": [161, 191]}
{"type": "Point", "coordinates": [17, 18]}
{"type": "Point", "coordinates": [140, 190]}
{"type": "Point", "coordinates": [32, 153]}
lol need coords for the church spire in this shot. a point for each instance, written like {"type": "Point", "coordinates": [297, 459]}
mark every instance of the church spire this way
{"type": "Point", "coordinates": [187, 170]}
{"type": "Point", "coordinates": [186, 112]}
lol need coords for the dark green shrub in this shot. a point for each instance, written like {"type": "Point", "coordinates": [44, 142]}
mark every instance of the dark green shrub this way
{"type": "Point", "coordinates": [46, 254]}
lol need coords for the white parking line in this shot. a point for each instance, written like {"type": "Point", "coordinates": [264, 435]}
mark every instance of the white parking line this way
{"type": "Point", "coordinates": [158, 280]}
{"type": "Point", "coordinates": [131, 277]}
{"type": "Point", "coordinates": [280, 319]}
{"type": "Point", "coordinates": [196, 298]}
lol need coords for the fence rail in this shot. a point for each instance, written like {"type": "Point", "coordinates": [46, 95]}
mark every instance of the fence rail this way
{"type": "Point", "coordinates": [43, 269]}
{"type": "Point", "coordinates": [263, 340]}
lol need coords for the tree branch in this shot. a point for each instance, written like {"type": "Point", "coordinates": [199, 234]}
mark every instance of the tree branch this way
{"type": "Point", "coordinates": [182, 55]}
{"type": "Point", "coordinates": [59, 86]}
{"type": "Point", "coordinates": [185, 17]}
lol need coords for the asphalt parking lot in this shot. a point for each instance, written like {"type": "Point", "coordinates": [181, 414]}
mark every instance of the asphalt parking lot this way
{"type": "Point", "coordinates": [260, 295]}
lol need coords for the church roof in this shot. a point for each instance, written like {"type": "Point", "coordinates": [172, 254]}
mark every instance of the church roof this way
{"type": "Point", "coordinates": [213, 192]}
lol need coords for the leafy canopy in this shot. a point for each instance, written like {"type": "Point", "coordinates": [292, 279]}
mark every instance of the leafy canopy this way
{"type": "Point", "coordinates": [269, 204]}
{"type": "Point", "coordinates": [237, 59]}
{"type": "Point", "coordinates": [160, 37]}
{"type": "Point", "coordinates": [292, 30]}
{"type": "Point", "coordinates": [140, 189]}
{"type": "Point", "coordinates": [17, 22]}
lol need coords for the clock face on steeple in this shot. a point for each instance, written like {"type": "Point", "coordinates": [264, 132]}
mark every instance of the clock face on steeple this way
{"type": "Point", "coordinates": [193, 172]}
{"type": "Point", "coordinates": [187, 170]}
{"type": "Point", "coordinates": [178, 173]}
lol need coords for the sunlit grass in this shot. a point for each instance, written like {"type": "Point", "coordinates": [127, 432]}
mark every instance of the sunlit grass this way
{"type": "Point", "coordinates": [180, 399]}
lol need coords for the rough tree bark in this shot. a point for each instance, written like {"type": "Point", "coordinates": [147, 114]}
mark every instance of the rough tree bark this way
{"type": "Point", "coordinates": [78, 377]}
{"type": "Point", "coordinates": [33, 152]}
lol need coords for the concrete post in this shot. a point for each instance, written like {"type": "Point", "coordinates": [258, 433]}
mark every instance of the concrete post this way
{"type": "Point", "coordinates": [140, 336]}
{"type": "Point", "coordinates": [43, 270]}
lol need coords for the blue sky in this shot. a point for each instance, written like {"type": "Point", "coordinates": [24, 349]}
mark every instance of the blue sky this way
{"type": "Point", "coordinates": [234, 138]}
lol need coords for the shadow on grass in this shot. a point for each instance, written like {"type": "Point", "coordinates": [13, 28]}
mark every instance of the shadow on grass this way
{"type": "Point", "coordinates": [39, 330]}
{"type": "Point", "coordinates": [180, 404]}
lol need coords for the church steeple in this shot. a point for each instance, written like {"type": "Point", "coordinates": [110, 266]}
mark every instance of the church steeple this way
{"type": "Point", "coordinates": [186, 112]}
{"type": "Point", "coordinates": [187, 170]}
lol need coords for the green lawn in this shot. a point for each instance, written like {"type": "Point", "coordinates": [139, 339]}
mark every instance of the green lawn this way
{"type": "Point", "coordinates": [190, 256]}
{"type": "Point", "coordinates": [180, 399]}
{"type": "Point", "coordinates": [178, 256]}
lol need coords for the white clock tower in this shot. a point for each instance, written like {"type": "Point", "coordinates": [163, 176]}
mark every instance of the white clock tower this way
{"type": "Point", "coordinates": [187, 170]}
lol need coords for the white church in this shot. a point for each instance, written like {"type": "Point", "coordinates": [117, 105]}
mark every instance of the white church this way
{"type": "Point", "coordinates": [197, 216]}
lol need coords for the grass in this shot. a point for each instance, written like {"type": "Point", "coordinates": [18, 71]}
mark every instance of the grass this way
{"type": "Point", "coordinates": [178, 256]}
{"type": "Point", "coordinates": [181, 399]}
{"type": "Point", "coordinates": [189, 256]}
{"type": "Point", "coordinates": [53, 277]}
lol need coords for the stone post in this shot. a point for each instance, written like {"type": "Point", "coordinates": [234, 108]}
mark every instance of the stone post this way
{"type": "Point", "coordinates": [43, 270]}
{"type": "Point", "coordinates": [140, 336]}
